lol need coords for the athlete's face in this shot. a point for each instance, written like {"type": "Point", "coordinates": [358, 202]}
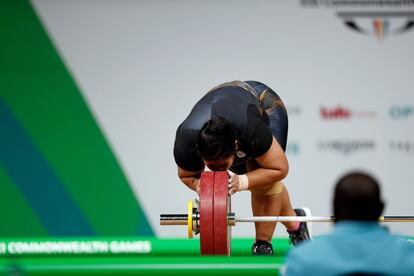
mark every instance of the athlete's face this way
{"type": "Point", "coordinates": [222, 164]}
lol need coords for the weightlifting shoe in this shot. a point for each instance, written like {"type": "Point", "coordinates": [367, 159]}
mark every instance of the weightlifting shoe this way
{"type": "Point", "coordinates": [261, 247]}
{"type": "Point", "coordinates": [303, 233]}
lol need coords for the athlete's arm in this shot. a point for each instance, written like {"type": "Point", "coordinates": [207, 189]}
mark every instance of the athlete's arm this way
{"type": "Point", "coordinates": [273, 167]}
{"type": "Point", "coordinates": [190, 179]}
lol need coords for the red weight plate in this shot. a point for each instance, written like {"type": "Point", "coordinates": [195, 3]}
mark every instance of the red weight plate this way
{"type": "Point", "coordinates": [206, 213]}
{"type": "Point", "coordinates": [222, 231]}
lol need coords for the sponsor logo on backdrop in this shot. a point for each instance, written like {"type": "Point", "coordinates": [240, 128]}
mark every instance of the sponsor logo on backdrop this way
{"type": "Point", "coordinates": [378, 24]}
{"type": "Point", "coordinates": [346, 147]}
{"type": "Point", "coordinates": [361, 18]}
{"type": "Point", "coordinates": [401, 111]}
{"type": "Point", "coordinates": [402, 146]}
{"type": "Point", "coordinates": [293, 149]}
{"type": "Point", "coordinates": [344, 113]}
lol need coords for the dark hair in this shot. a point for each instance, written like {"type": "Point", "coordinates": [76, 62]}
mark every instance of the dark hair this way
{"type": "Point", "coordinates": [357, 197]}
{"type": "Point", "coordinates": [216, 140]}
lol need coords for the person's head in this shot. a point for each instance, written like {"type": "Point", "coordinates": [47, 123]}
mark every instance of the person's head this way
{"type": "Point", "coordinates": [216, 144]}
{"type": "Point", "coordinates": [357, 196]}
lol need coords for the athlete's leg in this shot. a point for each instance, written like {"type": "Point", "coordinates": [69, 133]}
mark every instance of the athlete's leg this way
{"type": "Point", "coordinates": [275, 201]}
{"type": "Point", "coordinates": [271, 205]}
{"type": "Point", "coordinates": [272, 200]}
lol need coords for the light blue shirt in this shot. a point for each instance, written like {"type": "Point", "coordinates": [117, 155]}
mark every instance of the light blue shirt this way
{"type": "Point", "coordinates": [364, 247]}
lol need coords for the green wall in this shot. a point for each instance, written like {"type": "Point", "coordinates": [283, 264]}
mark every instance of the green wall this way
{"type": "Point", "coordinates": [58, 175]}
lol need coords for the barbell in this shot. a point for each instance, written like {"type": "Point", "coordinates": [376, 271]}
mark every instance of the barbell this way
{"type": "Point", "coordinates": [211, 217]}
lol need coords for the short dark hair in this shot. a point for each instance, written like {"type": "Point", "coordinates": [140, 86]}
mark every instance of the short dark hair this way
{"type": "Point", "coordinates": [357, 196]}
{"type": "Point", "coordinates": [216, 139]}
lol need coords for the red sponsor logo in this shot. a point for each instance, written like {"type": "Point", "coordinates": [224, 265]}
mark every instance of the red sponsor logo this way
{"type": "Point", "coordinates": [344, 113]}
{"type": "Point", "coordinates": [335, 113]}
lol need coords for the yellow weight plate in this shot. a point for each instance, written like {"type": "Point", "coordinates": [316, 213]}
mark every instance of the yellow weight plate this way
{"type": "Point", "coordinates": [190, 219]}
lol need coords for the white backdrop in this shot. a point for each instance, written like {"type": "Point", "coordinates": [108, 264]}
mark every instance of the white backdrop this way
{"type": "Point", "coordinates": [141, 66]}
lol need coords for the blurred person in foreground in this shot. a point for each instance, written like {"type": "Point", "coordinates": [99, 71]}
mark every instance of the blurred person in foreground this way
{"type": "Point", "coordinates": [358, 245]}
{"type": "Point", "coordinates": [242, 126]}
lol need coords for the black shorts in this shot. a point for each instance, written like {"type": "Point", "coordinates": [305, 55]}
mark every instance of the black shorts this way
{"type": "Point", "coordinates": [276, 111]}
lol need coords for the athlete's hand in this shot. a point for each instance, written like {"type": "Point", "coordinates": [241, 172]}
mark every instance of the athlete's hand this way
{"type": "Point", "coordinates": [237, 183]}
{"type": "Point", "coordinates": [233, 184]}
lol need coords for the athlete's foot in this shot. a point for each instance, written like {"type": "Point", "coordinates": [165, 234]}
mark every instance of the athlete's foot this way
{"type": "Point", "coordinates": [261, 247]}
{"type": "Point", "coordinates": [303, 232]}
